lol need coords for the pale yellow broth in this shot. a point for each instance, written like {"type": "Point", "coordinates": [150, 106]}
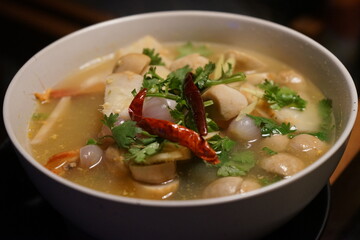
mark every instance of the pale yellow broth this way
{"type": "Point", "coordinates": [82, 121]}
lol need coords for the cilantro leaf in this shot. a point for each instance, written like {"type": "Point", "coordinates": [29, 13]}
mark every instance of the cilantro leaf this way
{"type": "Point", "coordinates": [189, 48]}
{"type": "Point", "coordinates": [269, 151]}
{"type": "Point", "coordinates": [152, 81]}
{"type": "Point", "coordinates": [125, 133]}
{"type": "Point", "coordinates": [211, 125]}
{"type": "Point", "coordinates": [269, 127]}
{"type": "Point", "coordinates": [279, 97]}
{"type": "Point", "coordinates": [239, 164]}
{"type": "Point", "coordinates": [110, 120]}
{"type": "Point", "coordinates": [176, 79]}
{"type": "Point", "coordinates": [155, 58]}
{"type": "Point", "coordinates": [39, 116]}
{"type": "Point", "coordinates": [237, 77]}
{"type": "Point", "coordinates": [264, 181]}
{"type": "Point", "coordinates": [139, 153]}
{"type": "Point", "coordinates": [202, 74]}
{"type": "Point", "coordinates": [325, 111]}
{"type": "Point", "coordinates": [222, 145]}
{"type": "Point", "coordinates": [203, 81]}
{"type": "Point", "coordinates": [177, 115]}
{"type": "Point", "coordinates": [92, 141]}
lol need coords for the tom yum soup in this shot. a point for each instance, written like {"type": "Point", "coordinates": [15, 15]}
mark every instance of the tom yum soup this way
{"type": "Point", "coordinates": [180, 121]}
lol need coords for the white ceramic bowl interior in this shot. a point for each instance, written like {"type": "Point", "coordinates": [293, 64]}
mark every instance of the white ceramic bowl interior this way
{"type": "Point", "coordinates": [261, 211]}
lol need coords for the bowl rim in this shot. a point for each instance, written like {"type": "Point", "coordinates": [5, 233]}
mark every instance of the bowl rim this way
{"type": "Point", "coordinates": [197, 202]}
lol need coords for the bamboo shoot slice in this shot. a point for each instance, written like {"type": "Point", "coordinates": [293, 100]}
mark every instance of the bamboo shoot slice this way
{"type": "Point", "coordinates": [59, 110]}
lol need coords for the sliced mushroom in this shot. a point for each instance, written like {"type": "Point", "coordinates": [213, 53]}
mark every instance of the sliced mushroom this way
{"type": "Point", "coordinates": [160, 191]}
{"type": "Point", "coordinates": [133, 62]}
{"type": "Point", "coordinates": [283, 164]}
{"type": "Point", "coordinates": [171, 152]}
{"type": "Point", "coordinates": [194, 61]}
{"type": "Point", "coordinates": [118, 92]}
{"type": "Point", "coordinates": [153, 173]}
{"type": "Point", "coordinates": [228, 102]}
{"type": "Point", "coordinates": [224, 186]}
{"type": "Point", "coordinates": [245, 62]}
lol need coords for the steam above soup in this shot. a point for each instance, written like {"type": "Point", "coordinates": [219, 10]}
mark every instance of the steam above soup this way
{"type": "Point", "coordinates": [180, 121]}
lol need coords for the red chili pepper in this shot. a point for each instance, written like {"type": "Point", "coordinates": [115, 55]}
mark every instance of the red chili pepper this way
{"type": "Point", "coordinates": [193, 98]}
{"type": "Point", "coordinates": [136, 106]}
{"type": "Point", "coordinates": [170, 131]}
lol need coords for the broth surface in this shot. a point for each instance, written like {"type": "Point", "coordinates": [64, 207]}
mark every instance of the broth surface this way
{"type": "Point", "coordinates": [81, 121]}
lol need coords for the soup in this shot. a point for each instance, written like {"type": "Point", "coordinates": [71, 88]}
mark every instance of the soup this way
{"type": "Point", "coordinates": [180, 121]}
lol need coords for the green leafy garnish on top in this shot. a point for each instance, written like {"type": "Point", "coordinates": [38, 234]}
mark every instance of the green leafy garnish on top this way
{"type": "Point", "coordinates": [189, 48]}
{"type": "Point", "coordinates": [127, 135]}
{"type": "Point", "coordinates": [203, 81]}
{"type": "Point", "coordinates": [269, 151]}
{"type": "Point", "coordinates": [238, 164]}
{"type": "Point", "coordinates": [39, 116]}
{"type": "Point", "coordinates": [269, 127]}
{"type": "Point", "coordinates": [155, 58]}
{"type": "Point", "coordinates": [231, 163]}
{"type": "Point", "coordinates": [171, 87]}
{"type": "Point", "coordinates": [279, 97]}
{"type": "Point", "coordinates": [325, 112]}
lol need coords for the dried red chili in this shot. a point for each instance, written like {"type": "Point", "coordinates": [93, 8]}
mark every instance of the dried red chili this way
{"type": "Point", "coordinates": [170, 131]}
{"type": "Point", "coordinates": [193, 98]}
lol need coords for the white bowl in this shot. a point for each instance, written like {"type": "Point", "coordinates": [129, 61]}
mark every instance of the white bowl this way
{"type": "Point", "coordinates": [245, 216]}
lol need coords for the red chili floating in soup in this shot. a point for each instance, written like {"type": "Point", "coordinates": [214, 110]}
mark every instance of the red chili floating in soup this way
{"type": "Point", "coordinates": [170, 131]}
{"type": "Point", "coordinates": [193, 97]}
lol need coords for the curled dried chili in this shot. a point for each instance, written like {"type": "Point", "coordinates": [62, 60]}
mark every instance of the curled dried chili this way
{"type": "Point", "coordinates": [193, 98]}
{"type": "Point", "coordinates": [170, 131]}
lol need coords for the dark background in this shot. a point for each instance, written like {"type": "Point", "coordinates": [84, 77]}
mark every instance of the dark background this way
{"type": "Point", "coordinates": [27, 26]}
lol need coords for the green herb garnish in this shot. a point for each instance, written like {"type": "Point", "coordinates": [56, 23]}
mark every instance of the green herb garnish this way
{"type": "Point", "coordinates": [325, 111]}
{"type": "Point", "coordinates": [39, 116]}
{"type": "Point", "coordinates": [238, 164]}
{"type": "Point", "coordinates": [269, 127]}
{"type": "Point", "coordinates": [269, 151]}
{"type": "Point", "coordinates": [92, 141]}
{"type": "Point", "coordinates": [139, 153]}
{"type": "Point", "coordinates": [202, 77]}
{"type": "Point", "coordinates": [190, 48]}
{"type": "Point", "coordinates": [231, 163]}
{"type": "Point", "coordinates": [126, 135]}
{"type": "Point", "coordinates": [222, 145]}
{"type": "Point", "coordinates": [279, 97]}
{"type": "Point", "coordinates": [264, 181]}
{"type": "Point", "coordinates": [155, 58]}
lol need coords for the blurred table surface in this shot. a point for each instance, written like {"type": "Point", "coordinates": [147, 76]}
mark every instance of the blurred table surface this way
{"type": "Point", "coordinates": [30, 25]}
